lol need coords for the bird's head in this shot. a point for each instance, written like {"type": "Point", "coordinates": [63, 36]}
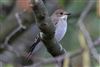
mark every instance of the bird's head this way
{"type": "Point", "coordinates": [61, 13]}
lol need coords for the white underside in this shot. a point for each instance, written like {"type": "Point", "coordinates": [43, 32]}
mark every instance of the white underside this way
{"type": "Point", "coordinates": [61, 28]}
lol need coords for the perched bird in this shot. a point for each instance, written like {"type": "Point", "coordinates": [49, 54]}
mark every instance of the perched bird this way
{"type": "Point", "coordinates": [59, 19]}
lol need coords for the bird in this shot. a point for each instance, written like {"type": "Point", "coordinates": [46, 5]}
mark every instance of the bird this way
{"type": "Point", "coordinates": [59, 19]}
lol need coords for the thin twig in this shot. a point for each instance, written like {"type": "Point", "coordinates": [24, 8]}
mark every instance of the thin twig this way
{"type": "Point", "coordinates": [19, 21]}
{"type": "Point", "coordinates": [43, 61]}
{"type": "Point", "coordinates": [10, 35]}
{"type": "Point", "coordinates": [85, 32]}
{"type": "Point", "coordinates": [21, 26]}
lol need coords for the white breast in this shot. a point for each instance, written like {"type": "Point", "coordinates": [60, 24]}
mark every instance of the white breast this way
{"type": "Point", "coordinates": [61, 28]}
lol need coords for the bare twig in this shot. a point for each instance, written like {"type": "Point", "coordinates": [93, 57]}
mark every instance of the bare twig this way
{"type": "Point", "coordinates": [16, 30]}
{"type": "Point", "coordinates": [19, 21]}
{"type": "Point", "coordinates": [50, 60]}
{"type": "Point", "coordinates": [10, 35]}
{"type": "Point", "coordinates": [85, 32]}
{"type": "Point", "coordinates": [43, 61]}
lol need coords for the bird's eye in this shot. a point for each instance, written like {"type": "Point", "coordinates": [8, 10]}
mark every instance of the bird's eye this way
{"type": "Point", "coordinates": [61, 13]}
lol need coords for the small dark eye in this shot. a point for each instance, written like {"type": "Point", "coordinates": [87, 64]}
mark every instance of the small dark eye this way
{"type": "Point", "coordinates": [61, 13]}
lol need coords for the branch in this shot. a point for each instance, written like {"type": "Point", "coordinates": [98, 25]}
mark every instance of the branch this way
{"type": "Point", "coordinates": [21, 26]}
{"type": "Point", "coordinates": [48, 61]}
{"type": "Point", "coordinates": [43, 61]}
{"type": "Point", "coordinates": [47, 28]}
{"type": "Point", "coordinates": [85, 32]}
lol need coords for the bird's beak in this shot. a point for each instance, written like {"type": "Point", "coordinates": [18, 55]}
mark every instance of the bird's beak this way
{"type": "Point", "coordinates": [66, 13]}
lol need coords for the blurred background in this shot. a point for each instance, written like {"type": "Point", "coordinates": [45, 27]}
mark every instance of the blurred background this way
{"type": "Point", "coordinates": [19, 38]}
